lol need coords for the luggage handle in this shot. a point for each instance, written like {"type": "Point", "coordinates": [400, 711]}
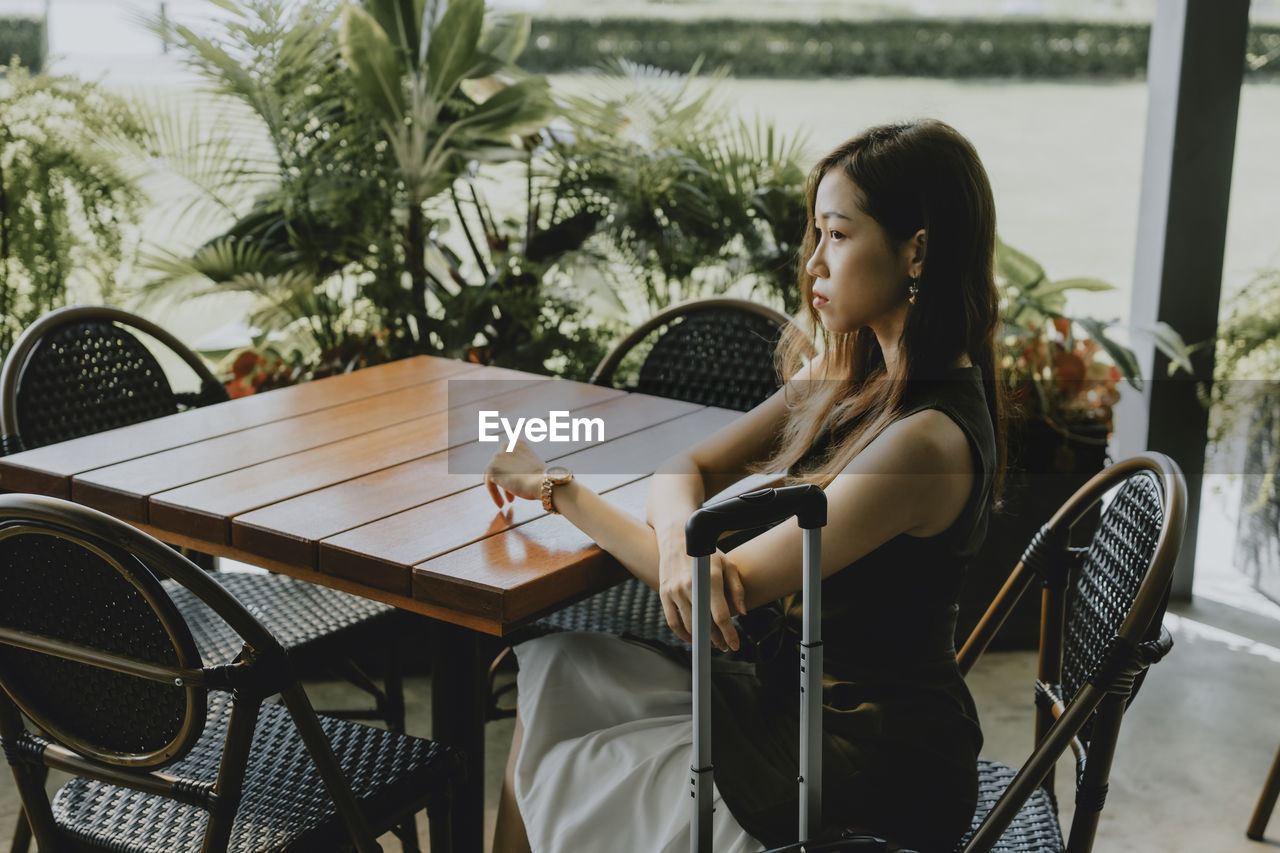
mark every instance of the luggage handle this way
{"type": "Point", "coordinates": [809, 504]}
{"type": "Point", "coordinates": [754, 509]}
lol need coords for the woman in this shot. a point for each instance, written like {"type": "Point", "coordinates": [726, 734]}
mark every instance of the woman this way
{"type": "Point", "coordinates": [899, 419]}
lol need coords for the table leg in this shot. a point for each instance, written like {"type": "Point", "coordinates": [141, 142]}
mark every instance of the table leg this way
{"type": "Point", "coordinates": [457, 719]}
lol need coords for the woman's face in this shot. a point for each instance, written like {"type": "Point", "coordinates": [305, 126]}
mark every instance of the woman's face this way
{"type": "Point", "coordinates": [859, 279]}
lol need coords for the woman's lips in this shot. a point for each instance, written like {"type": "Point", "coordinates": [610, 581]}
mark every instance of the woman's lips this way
{"type": "Point", "coordinates": [819, 300]}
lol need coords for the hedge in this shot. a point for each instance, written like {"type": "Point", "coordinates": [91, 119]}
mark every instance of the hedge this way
{"type": "Point", "coordinates": [845, 48]}
{"type": "Point", "coordinates": [24, 38]}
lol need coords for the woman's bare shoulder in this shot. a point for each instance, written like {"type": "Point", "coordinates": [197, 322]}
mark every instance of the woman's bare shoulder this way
{"type": "Point", "coordinates": [924, 442]}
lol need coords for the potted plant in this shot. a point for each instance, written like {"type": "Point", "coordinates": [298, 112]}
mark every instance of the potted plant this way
{"type": "Point", "coordinates": [1245, 401]}
{"type": "Point", "coordinates": [1064, 374]}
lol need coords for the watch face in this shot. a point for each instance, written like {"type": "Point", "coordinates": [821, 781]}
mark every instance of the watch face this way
{"type": "Point", "coordinates": [558, 473]}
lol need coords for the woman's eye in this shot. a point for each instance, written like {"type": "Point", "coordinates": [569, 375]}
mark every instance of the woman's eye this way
{"type": "Point", "coordinates": [836, 235]}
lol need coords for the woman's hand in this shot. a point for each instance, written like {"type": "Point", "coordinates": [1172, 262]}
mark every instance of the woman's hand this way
{"type": "Point", "coordinates": [727, 598]}
{"type": "Point", "coordinates": [515, 474]}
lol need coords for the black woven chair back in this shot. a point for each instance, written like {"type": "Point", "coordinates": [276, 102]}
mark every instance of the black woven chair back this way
{"type": "Point", "coordinates": [715, 352]}
{"type": "Point", "coordinates": [79, 371]}
{"type": "Point", "coordinates": [1105, 587]}
{"type": "Point", "coordinates": [56, 586]}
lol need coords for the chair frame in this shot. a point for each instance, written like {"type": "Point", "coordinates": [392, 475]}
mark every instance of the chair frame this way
{"type": "Point", "coordinates": [262, 670]}
{"type": "Point", "coordinates": [1266, 802]}
{"type": "Point", "coordinates": [603, 374]}
{"type": "Point", "coordinates": [18, 359]}
{"type": "Point", "coordinates": [1108, 691]}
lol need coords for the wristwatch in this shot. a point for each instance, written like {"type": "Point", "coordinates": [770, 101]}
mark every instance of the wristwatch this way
{"type": "Point", "coordinates": [556, 475]}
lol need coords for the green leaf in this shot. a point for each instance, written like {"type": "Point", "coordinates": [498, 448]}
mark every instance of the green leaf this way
{"type": "Point", "coordinates": [1123, 357]}
{"type": "Point", "coordinates": [374, 61]}
{"type": "Point", "coordinates": [400, 20]}
{"type": "Point", "coordinates": [1022, 271]}
{"type": "Point", "coordinates": [1169, 342]}
{"type": "Point", "coordinates": [518, 109]}
{"type": "Point", "coordinates": [451, 56]}
{"type": "Point", "coordinates": [1063, 285]}
{"type": "Point", "coordinates": [504, 37]}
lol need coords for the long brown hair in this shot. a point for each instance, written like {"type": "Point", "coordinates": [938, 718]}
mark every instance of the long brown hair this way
{"type": "Point", "coordinates": [911, 176]}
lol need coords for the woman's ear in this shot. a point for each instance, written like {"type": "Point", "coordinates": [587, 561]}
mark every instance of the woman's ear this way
{"type": "Point", "coordinates": [915, 249]}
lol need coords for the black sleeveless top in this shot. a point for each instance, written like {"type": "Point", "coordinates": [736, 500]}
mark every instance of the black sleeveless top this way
{"type": "Point", "coordinates": [901, 730]}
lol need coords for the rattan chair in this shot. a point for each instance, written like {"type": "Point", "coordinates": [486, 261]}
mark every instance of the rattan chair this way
{"type": "Point", "coordinates": [82, 370]}
{"type": "Point", "coordinates": [1102, 611]}
{"type": "Point", "coordinates": [167, 752]}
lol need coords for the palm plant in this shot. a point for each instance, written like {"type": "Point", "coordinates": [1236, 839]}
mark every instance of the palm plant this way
{"type": "Point", "coordinates": [697, 199]}
{"type": "Point", "coordinates": [445, 92]}
{"type": "Point", "coordinates": [280, 168]}
{"type": "Point", "coordinates": [368, 113]}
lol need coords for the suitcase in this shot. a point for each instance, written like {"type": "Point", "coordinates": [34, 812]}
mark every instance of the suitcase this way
{"type": "Point", "coordinates": [753, 509]}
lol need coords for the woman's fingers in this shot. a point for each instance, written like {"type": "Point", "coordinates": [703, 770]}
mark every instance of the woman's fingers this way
{"type": "Point", "coordinates": [514, 474]}
{"type": "Point", "coordinates": [686, 621]}
{"type": "Point", "coordinates": [734, 590]}
{"type": "Point", "coordinates": [493, 490]}
{"type": "Point", "coordinates": [721, 615]}
{"type": "Point", "coordinates": [671, 612]}
{"type": "Point", "coordinates": [677, 606]}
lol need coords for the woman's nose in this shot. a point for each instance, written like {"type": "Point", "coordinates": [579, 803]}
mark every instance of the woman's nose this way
{"type": "Point", "coordinates": [815, 265]}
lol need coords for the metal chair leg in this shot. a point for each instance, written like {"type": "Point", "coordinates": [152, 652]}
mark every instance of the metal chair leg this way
{"type": "Point", "coordinates": [440, 822]}
{"type": "Point", "coordinates": [1266, 802]}
{"type": "Point", "coordinates": [21, 834]}
{"type": "Point", "coordinates": [407, 832]}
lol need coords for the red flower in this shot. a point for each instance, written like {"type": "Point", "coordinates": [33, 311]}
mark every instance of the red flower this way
{"type": "Point", "coordinates": [1070, 369]}
{"type": "Point", "coordinates": [245, 363]}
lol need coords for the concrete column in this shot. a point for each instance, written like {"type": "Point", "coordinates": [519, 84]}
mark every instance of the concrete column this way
{"type": "Point", "coordinates": [1194, 72]}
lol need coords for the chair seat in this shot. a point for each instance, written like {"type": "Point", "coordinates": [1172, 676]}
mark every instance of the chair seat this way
{"type": "Point", "coordinates": [1034, 830]}
{"type": "Point", "coordinates": [285, 804]}
{"type": "Point", "coordinates": [630, 607]}
{"type": "Point", "coordinates": [298, 613]}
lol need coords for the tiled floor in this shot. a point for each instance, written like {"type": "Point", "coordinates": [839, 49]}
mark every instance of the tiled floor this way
{"type": "Point", "coordinates": [1194, 750]}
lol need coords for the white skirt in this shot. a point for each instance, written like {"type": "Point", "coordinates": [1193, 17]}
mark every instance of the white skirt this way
{"type": "Point", "coordinates": [608, 741]}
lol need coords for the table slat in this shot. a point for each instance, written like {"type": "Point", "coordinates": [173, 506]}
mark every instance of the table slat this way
{"type": "Point", "coordinates": [46, 470]}
{"type": "Point", "coordinates": [521, 572]}
{"type": "Point", "coordinates": [123, 489]}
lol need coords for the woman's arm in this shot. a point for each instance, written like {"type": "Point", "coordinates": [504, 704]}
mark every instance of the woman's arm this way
{"type": "Point", "coordinates": [518, 473]}
{"type": "Point", "coordinates": [628, 539]}
{"type": "Point", "coordinates": [914, 479]}
{"type": "Point", "coordinates": [681, 485]}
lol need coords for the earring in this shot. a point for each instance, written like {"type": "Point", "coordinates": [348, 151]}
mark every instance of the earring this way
{"type": "Point", "coordinates": [913, 289]}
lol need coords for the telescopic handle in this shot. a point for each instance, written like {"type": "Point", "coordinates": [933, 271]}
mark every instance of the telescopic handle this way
{"type": "Point", "coordinates": [807, 503]}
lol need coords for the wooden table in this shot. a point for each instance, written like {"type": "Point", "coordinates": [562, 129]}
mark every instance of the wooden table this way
{"type": "Point", "coordinates": [361, 482]}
